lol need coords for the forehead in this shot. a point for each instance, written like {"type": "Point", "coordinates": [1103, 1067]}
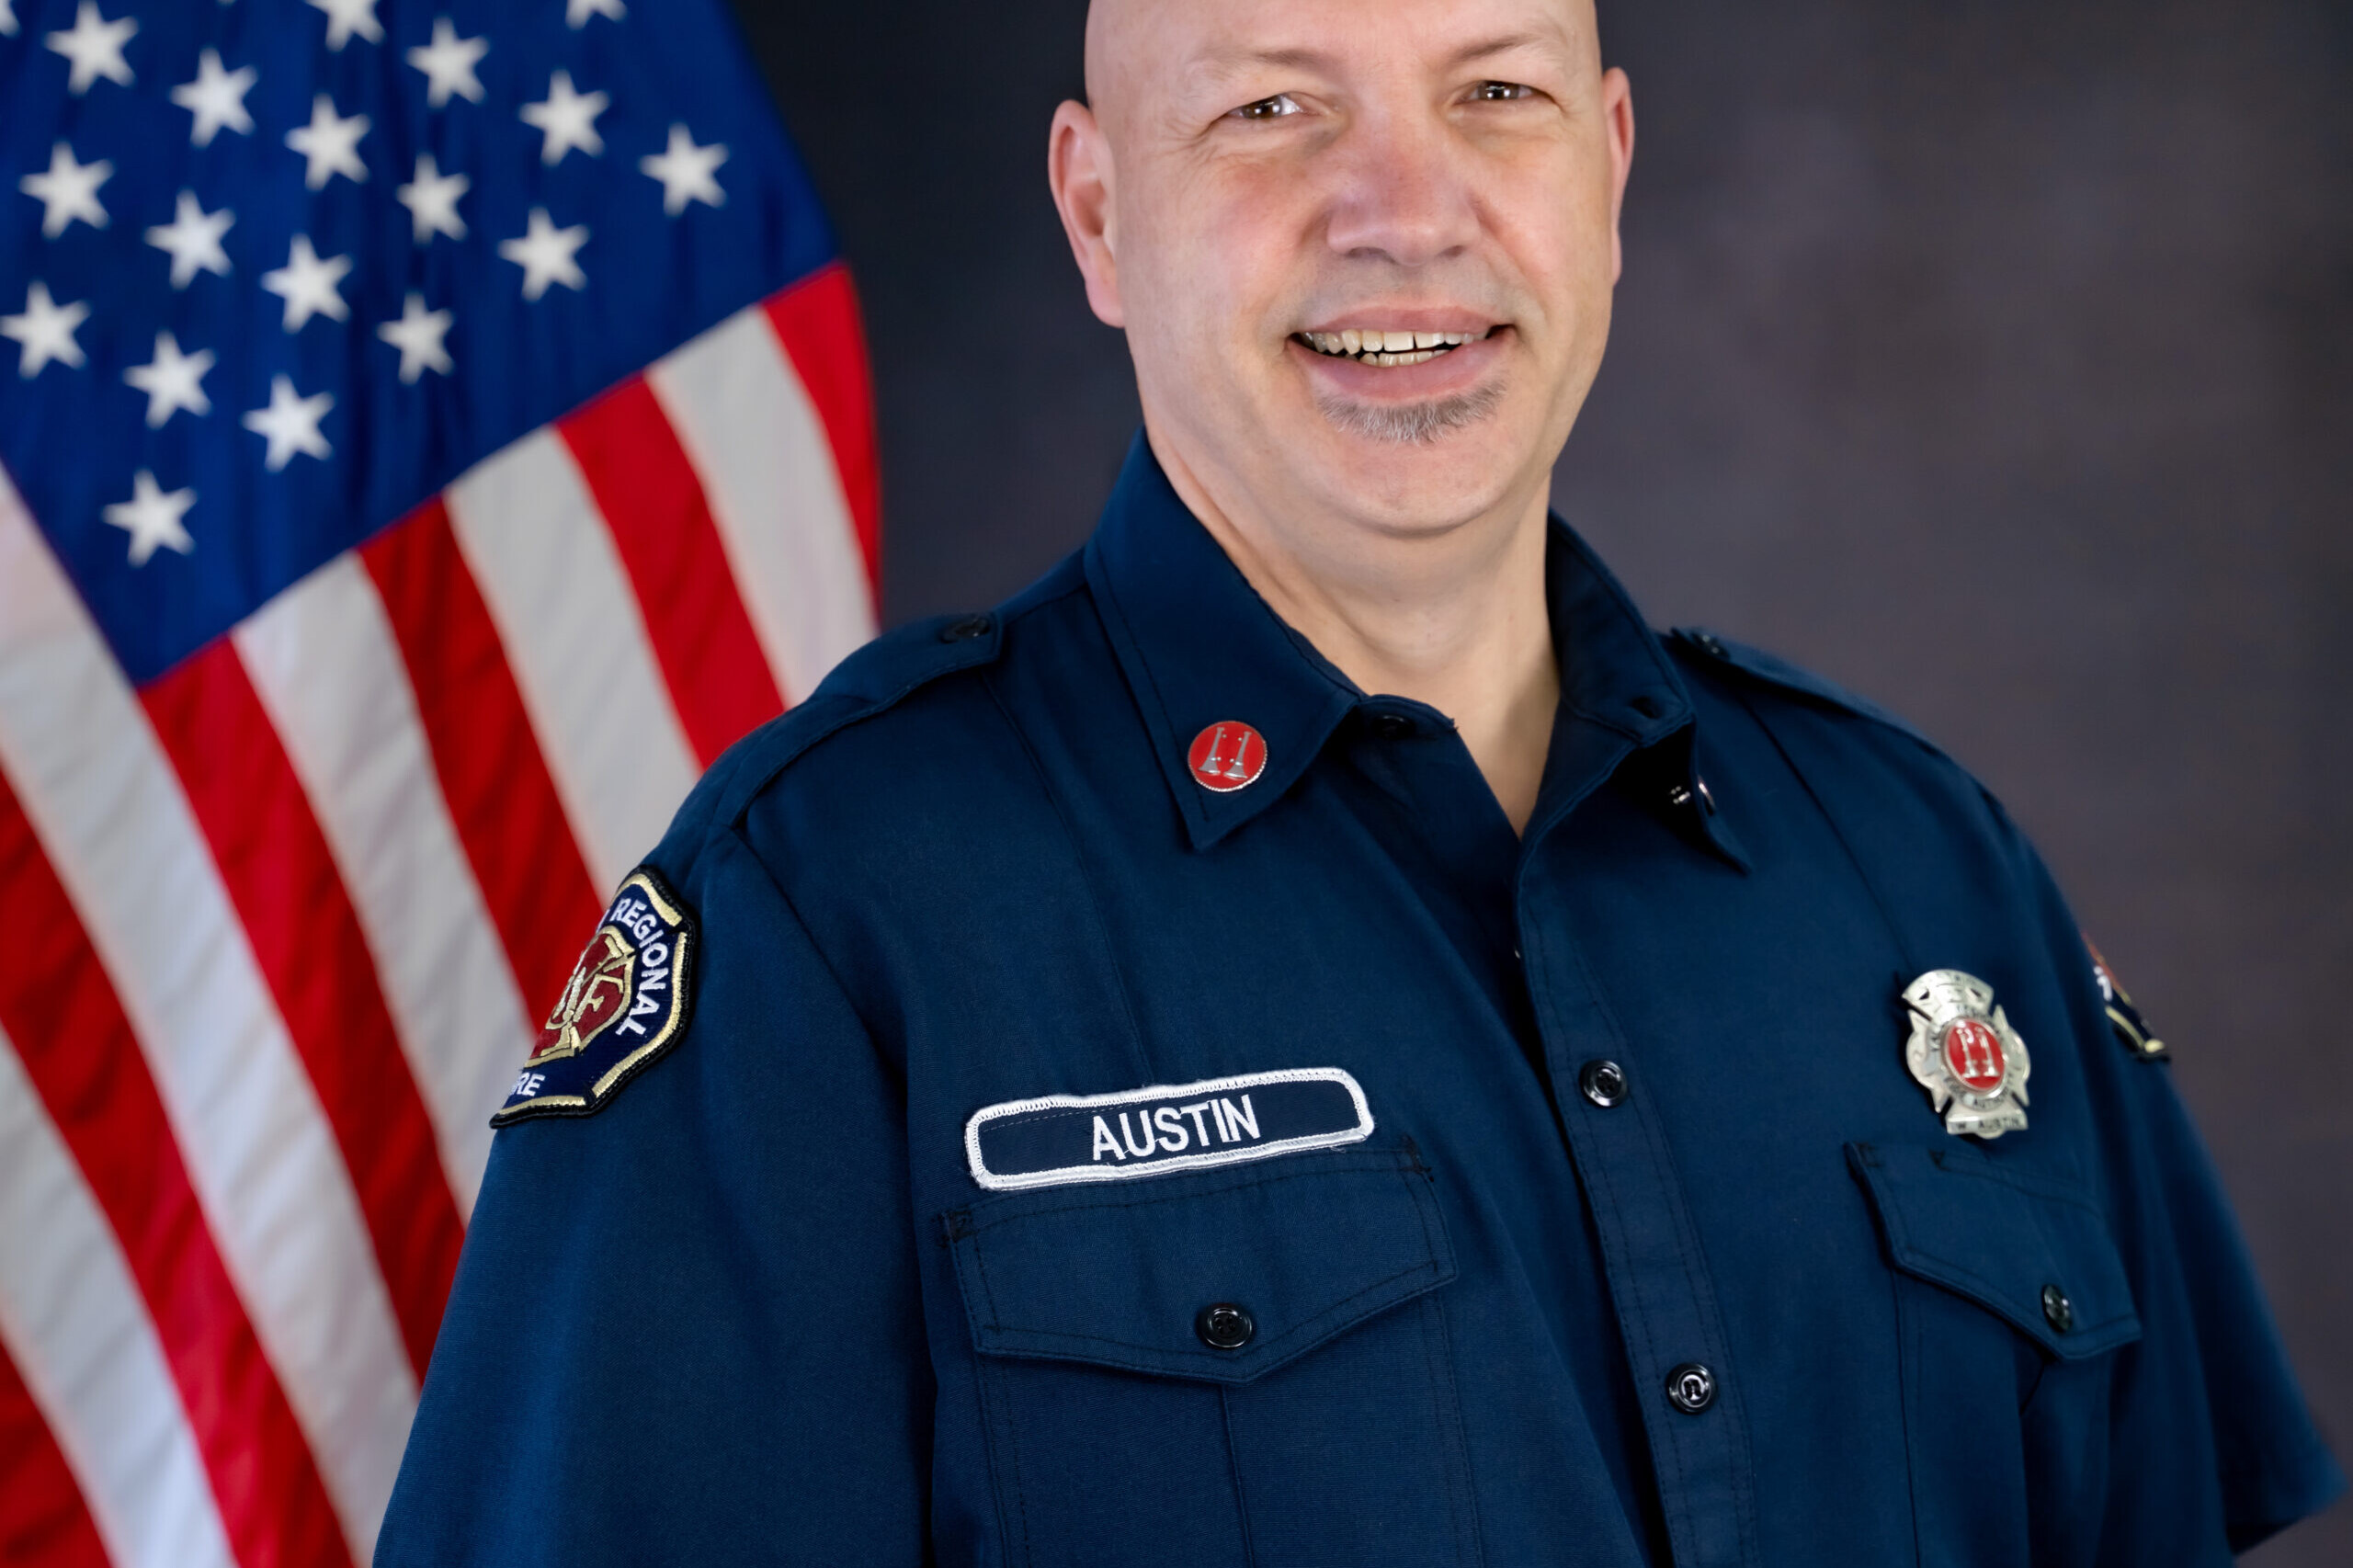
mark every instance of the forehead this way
{"type": "Point", "coordinates": [1159, 45]}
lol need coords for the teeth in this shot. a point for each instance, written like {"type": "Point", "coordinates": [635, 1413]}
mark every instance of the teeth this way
{"type": "Point", "coordinates": [1389, 348]}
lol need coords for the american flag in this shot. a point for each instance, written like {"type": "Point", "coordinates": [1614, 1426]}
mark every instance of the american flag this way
{"type": "Point", "coordinates": [431, 432]}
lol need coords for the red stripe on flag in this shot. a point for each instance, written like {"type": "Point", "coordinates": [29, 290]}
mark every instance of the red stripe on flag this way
{"type": "Point", "coordinates": [653, 505]}
{"type": "Point", "coordinates": [509, 815]}
{"type": "Point", "coordinates": [818, 322]}
{"type": "Point", "coordinates": [60, 1008]}
{"type": "Point", "coordinates": [43, 1521]}
{"type": "Point", "coordinates": [299, 921]}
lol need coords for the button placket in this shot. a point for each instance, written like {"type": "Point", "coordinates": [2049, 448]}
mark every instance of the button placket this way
{"type": "Point", "coordinates": [1672, 1324]}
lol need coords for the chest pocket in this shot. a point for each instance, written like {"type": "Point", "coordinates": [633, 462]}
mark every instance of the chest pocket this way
{"type": "Point", "coordinates": [2011, 1300]}
{"type": "Point", "coordinates": [1127, 1426]}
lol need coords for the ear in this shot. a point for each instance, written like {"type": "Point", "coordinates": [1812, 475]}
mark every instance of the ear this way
{"type": "Point", "coordinates": [1078, 167]}
{"type": "Point", "coordinates": [1618, 113]}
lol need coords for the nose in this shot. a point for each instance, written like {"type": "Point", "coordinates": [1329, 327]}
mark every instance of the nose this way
{"type": "Point", "coordinates": [1401, 193]}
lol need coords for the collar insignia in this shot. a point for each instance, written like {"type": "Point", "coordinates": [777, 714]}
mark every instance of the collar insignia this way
{"type": "Point", "coordinates": [1227, 757]}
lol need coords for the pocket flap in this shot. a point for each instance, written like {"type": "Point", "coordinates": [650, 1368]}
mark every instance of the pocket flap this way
{"type": "Point", "coordinates": [2003, 1238]}
{"type": "Point", "coordinates": [1115, 1275]}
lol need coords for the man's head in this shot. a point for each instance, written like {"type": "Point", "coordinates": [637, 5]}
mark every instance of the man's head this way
{"type": "Point", "coordinates": [1363, 250]}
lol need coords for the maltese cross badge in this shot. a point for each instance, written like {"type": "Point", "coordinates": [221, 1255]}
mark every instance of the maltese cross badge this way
{"type": "Point", "coordinates": [1966, 1055]}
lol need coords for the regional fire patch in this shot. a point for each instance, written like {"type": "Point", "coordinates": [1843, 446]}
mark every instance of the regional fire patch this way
{"type": "Point", "coordinates": [624, 1005]}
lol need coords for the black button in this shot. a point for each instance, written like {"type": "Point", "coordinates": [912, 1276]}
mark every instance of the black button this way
{"type": "Point", "coordinates": [1709, 645]}
{"type": "Point", "coordinates": [2057, 1309]}
{"type": "Point", "coordinates": [964, 631]}
{"type": "Point", "coordinates": [1225, 1327]}
{"type": "Point", "coordinates": [1691, 1388]}
{"type": "Point", "coordinates": [1392, 726]}
{"type": "Point", "coordinates": [1603, 1082]}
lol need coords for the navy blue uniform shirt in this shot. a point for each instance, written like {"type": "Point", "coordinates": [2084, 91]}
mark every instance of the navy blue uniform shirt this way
{"type": "Point", "coordinates": [1090, 1086]}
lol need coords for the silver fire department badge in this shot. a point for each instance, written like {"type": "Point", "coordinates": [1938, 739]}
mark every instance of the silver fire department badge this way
{"type": "Point", "coordinates": [1965, 1054]}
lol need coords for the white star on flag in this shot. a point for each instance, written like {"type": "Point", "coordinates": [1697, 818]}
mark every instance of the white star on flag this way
{"type": "Point", "coordinates": [576, 12]}
{"type": "Point", "coordinates": [448, 64]}
{"type": "Point", "coordinates": [546, 254]}
{"type": "Point", "coordinates": [308, 284]}
{"type": "Point", "coordinates": [193, 240]}
{"type": "Point", "coordinates": [418, 335]}
{"type": "Point", "coordinates": [95, 46]}
{"type": "Point", "coordinates": [688, 173]}
{"type": "Point", "coordinates": [217, 99]}
{"type": "Point", "coordinates": [69, 190]}
{"type": "Point", "coordinates": [172, 380]}
{"type": "Point", "coordinates": [330, 144]}
{"type": "Point", "coordinates": [8, 20]}
{"type": "Point", "coordinates": [46, 331]}
{"type": "Point", "coordinates": [345, 17]}
{"type": "Point", "coordinates": [432, 200]}
{"type": "Point", "coordinates": [290, 422]}
{"type": "Point", "coordinates": [152, 519]}
{"type": "Point", "coordinates": [567, 120]}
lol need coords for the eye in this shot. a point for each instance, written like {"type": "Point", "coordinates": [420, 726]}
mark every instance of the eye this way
{"type": "Point", "coordinates": [1279, 106]}
{"type": "Point", "coordinates": [1501, 92]}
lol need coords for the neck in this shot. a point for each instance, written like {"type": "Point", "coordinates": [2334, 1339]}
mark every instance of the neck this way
{"type": "Point", "coordinates": [1453, 616]}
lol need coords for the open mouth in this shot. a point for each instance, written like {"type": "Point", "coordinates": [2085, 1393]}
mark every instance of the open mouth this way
{"type": "Point", "coordinates": [1387, 348]}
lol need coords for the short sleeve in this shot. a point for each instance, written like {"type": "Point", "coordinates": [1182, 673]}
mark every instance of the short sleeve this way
{"type": "Point", "coordinates": [2211, 1338]}
{"type": "Point", "coordinates": [2211, 1448]}
{"type": "Point", "coordinates": [687, 1328]}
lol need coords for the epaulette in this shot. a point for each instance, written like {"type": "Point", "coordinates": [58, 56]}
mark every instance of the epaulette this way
{"type": "Point", "coordinates": [1777, 672]}
{"type": "Point", "coordinates": [873, 680]}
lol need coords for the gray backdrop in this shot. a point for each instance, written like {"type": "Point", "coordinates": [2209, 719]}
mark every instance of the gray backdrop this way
{"type": "Point", "coordinates": [1993, 356]}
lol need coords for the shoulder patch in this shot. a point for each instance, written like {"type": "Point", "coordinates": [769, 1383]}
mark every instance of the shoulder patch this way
{"type": "Point", "coordinates": [625, 1004]}
{"type": "Point", "coordinates": [1775, 671]}
{"type": "Point", "coordinates": [2132, 1031]}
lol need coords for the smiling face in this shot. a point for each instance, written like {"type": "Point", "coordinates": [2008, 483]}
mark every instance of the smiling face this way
{"type": "Point", "coordinates": [1362, 249]}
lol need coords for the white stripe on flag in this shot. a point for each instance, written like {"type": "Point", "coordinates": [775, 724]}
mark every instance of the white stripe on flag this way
{"type": "Point", "coordinates": [73, 1319]}
{"type": "Point", "coordinates": [577, 644]}
{"type": "Point", "coordinates": [768, 468]}
{"type": "Point", "coordinates": [323, 658]}
{"type": "Point", "coordinates": [105, 802]}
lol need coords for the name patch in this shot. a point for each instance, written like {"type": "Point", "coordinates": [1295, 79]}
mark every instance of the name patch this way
{"type": "Point", "coordinates": [625, 1003]}
{"type": "Point", "coordinates": [1163, 1129]}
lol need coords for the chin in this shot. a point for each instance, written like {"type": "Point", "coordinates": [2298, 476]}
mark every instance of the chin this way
{"type": "Point", "coordinates": [1415, 467]}
{"type": "Point", "coordinates": [1424, 423]}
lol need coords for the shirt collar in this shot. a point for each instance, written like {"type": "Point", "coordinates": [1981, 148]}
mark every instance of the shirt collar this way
{"type": "Point", "coordinates": [1201, 648]}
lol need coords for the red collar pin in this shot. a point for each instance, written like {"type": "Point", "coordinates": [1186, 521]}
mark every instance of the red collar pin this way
{"type": "Point", "coordinates": [1227, 757]}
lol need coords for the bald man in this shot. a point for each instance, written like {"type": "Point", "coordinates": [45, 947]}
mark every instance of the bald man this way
{"type": "Point", "coordinates": [1312, 1035]}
